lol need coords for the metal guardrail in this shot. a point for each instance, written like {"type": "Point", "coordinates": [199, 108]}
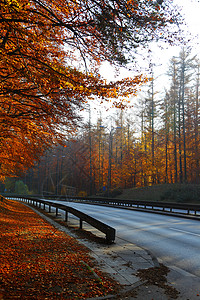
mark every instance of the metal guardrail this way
{"type": "Point", "coordinates": [178, 209]}
{"type": "Point", "coordinates": [186, 208]}
{"type": "Point", "coordinates": [108, 230]}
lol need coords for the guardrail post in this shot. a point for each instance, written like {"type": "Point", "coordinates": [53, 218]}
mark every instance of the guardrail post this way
{"type": "Point", "coordinates": [49, 208]}
{"type": "Point", "coordinates": [66, 216]}
{"type": "Point", "coordinates": [81, 224]}
{"type": "Point", "coordinates": [110, 236]}
{"type": "Point", "coordinates": [56, 211]}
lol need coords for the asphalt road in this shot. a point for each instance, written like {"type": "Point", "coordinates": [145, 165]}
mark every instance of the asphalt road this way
{"type": "Point", "coordinates": [174, 241]}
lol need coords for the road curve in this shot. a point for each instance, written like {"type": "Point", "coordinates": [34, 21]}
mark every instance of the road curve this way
{"type": "Point", "coordinates": [173, 240]}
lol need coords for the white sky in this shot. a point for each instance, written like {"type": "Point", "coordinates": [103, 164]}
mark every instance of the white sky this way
{"type": "Point", "coordinates": [191, 11]}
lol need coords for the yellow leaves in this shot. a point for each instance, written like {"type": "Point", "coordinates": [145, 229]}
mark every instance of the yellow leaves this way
{"type": "Point", "coordinates": [14, 5]}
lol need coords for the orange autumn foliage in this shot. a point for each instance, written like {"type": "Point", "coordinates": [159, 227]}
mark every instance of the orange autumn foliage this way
{"type": "Point", "coordinates": [44, 48]}
{"type": "Point", "coordinates": [37, 261]}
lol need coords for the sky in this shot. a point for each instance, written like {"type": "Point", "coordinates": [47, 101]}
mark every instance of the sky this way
{"type": "Point", "coordinates": [191, 9]}
{"type": "Point", "coordinates": [191, 12]}
{"type": "Point", "coordinates": [161, 57]}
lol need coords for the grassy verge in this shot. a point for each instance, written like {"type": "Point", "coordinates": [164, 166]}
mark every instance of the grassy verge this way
{"type": "Point", "coordinates": [181, 193]}
{"type": "Point", "coordinates": [38, 261]}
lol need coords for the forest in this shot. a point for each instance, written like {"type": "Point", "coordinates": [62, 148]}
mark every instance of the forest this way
{"type": "Point", "coordinates": [50, 58]}
{"type": "Point", "coordinates": [159, 145]}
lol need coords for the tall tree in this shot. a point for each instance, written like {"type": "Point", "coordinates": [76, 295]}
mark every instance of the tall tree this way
{"type": "Point", "coordinates": [185, 65]}
{"type": "Point", "coordinates": [41, 84]}
{"type": "Point", "coordinates": [173, 112]}
{"type": "Point", "coordinates": [196, 120]}
{"type": "Point", "coordinates": [151, 108]}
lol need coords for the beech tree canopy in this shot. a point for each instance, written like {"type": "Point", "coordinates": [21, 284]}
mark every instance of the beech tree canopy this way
{"type": "Point", "coordinates": [50, 52]}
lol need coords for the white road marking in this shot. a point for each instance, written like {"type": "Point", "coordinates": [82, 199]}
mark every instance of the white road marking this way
{"type": "Point", "coordinates": [183, 231]}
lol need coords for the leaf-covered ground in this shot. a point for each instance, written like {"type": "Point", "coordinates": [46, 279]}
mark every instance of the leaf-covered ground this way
{"type": "Point", "coordinates": [157, 276]}
{"type": "Point", "coordinates": [38, 261]}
